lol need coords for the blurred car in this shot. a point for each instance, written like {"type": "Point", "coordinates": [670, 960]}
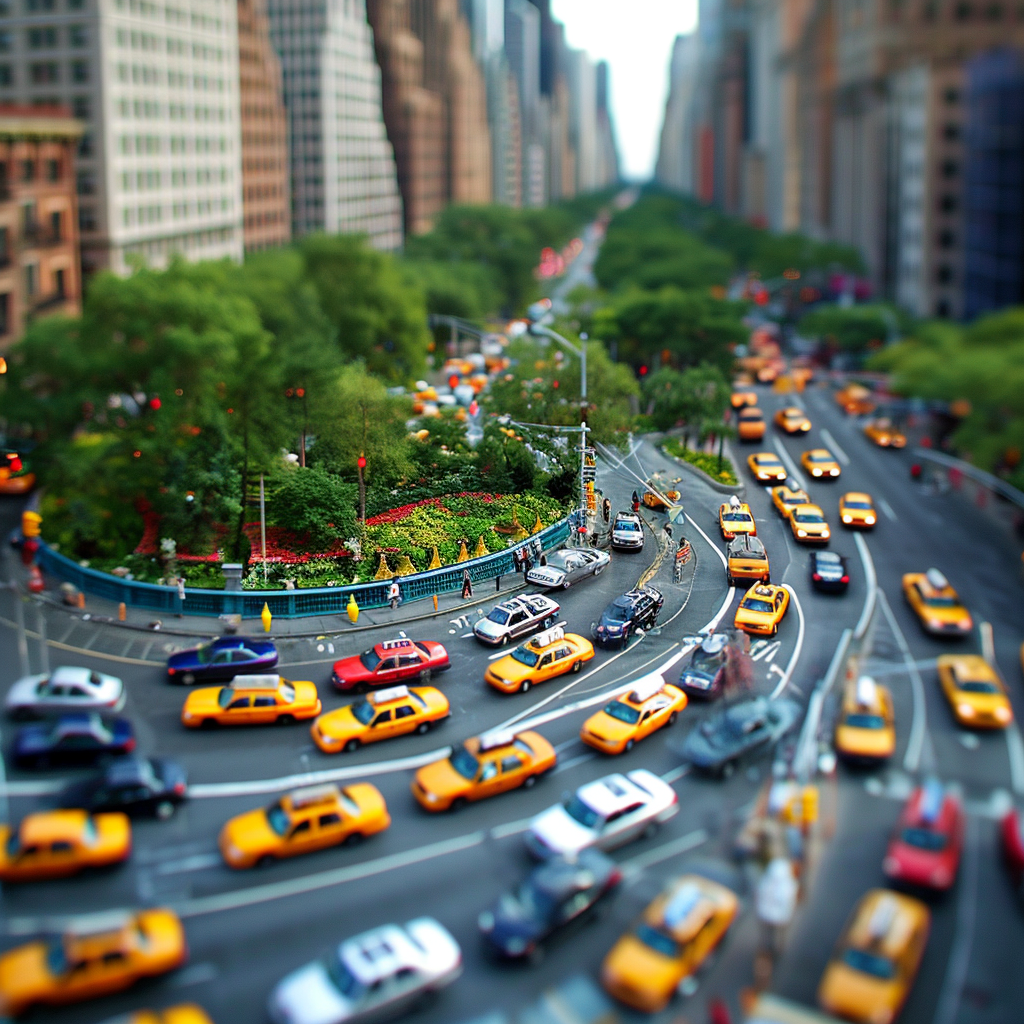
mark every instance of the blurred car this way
{"type": "Point", "coordinates": [389, 663]}
{"type": "Point", "coordinates": [80, 739]}
{"type": "Point", "coordinates": [374, 976]}
{"type": "Point", "coordinates": [482, 767]}
{"type": "Point", "coordinates": [866, 730]}
{"type": "Point", "coordinates": [183, 1013]}
{"type": "Point", "coordinates": [703, 673]}
{"type": "Point", "coordinates": [876, 960]}
{"type": "Point", "coordinates": [670, 942]}
{"type": "Point", "coordinates": [634, 610]}
{"type": "Point", "coordinates": [820, 463]}
{"type": "Point", "coordinates": [55, 844]}
{"type": "Point", "coordinates": [856, 509]}
{"type": "Point", "coordinates": [606, 813]}
{"type": "Point", "coordinates": [829, 572]}
{"type": "Point", "coordinates": [885, 434]}
{"type": "Point", "coordinates": [650, 705]}
{"type": "Point", "coordinates": [555, 894]}
{"type": "Point", "coordinates": [654, 501]}
{"type": "Point", "coordinates": [792, 420]}
{"type": "Point", "coordinates": [64, 689]}
{"type": "Point", "coordinates": [761, 609]}
{"type": "Point", "coordinates": [251, 700]}
{"type": "Point", "coordinates": [304, 821]}
{"type": "Point", "coordinates": [765, 467]}
{"type": "Point", "coordinates": [735, 517]}
{"type": "Point", "coordinates": [15, 476]}
{"type": "Point", "coordinates": [746, 559]}
{"type": "Point", "coordinates": [627, 532]}
{"type": "Point", "coordinates": [568, 566]}
{"type": "Point", "coordinates": [925, 848]}
{"type": "Point", "coordinates": [855, 400]}
{"type": "Point", "coordinates": [719, 743]}
{"type": "Point", "coordinates": [1011, 832]}
{"type": "Point", "coordinates": [382, 715]}
{"type": "Point", "coordinates": [976, 692]}
{"type": "Point", "coordinates": [135, 785]}
{"type": "Point", "coordinates": [221, 659]}
{"type": "Point", "coordinates": [739, 399]}
{"type": "Point", "coordinates": [786, 498]}
{"type": "Point", "coordinates": [750, 424]}
{"type": "Point", "coordinates": [936, 604]}
{"type": "Point", "coordinates": [516, 617]}
{"type": "Point", "coordinates": [101, 955]}
{"type": "Point", "coordinates": [544, 656]}
{"type": "Point", "coordinates": [808, 525]}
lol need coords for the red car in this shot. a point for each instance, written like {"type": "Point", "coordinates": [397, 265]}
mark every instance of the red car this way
{"type": "Point", "coordinates": [925, 848]}
{"type": "Point", "coordinates": [1012, 829]}
{"type": "Point", "coordinates": [389, 663]}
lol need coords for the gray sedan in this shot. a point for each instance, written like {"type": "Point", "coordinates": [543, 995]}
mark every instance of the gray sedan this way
{"type": "Point", "coordinates": [567, 567]}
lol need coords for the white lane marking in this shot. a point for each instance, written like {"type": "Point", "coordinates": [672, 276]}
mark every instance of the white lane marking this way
{"type": "Point", "coordinates": [887, 509]}
{"type": "Point", "coordinates": [765, 650]}
{"type": "Point", "coordinates": [635, 865]}
{"type": "Point", "coordinates": [510, 828]}
{"type": "Point", "coordinates": [462, 636]}
{"type": "Point", "coordinates": [918, 726]}
{"type": "Point", "coordinates": [677, 773]}
{"type": "Point", "coordinates": [988, 642]}
{"type": "Point", "coordinates": [41, 788]}
{"type": "Point", "coordinates": [833, 446]}
{"type": "Point", "coordinates": [966, 914]}
{"type": "Point", "coordinates": [872, 580]}
{"type": "Point", "coordinates": [200, 862]}
{"type": "Point", "coordinates": [566, 744]}
{"type": "Point", "coordinates": [794, 473]}
{"type": "Point", "coordinates": [1014, 744]}
{"type": "Point", "coordinates": [195, 974]}
{"type": "Point", "coordinates": [573, 761]}
{"type": "Point", "coordinates": [795, 656]}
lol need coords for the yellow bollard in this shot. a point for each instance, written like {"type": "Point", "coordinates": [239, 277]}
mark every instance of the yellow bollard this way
{"type": "Point", "coordinates": [122, 612]}
{"type": "Point", "coordinates": [435, 602]}
{"type": "Point", "coordinates": [80, 600]}
{"type": "Point", "coordinates": [266, 617]}
{"type": "Point", "coordinates": [352, 608]}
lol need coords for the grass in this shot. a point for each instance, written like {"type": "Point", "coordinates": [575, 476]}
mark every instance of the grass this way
{"type": "Point", "coordinates": [704, 462]}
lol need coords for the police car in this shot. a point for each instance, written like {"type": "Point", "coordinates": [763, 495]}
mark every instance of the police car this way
{"type": "Point", "coordinates": [518, 616]}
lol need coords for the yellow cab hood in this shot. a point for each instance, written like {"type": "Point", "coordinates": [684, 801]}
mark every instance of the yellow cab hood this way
{"type": "Point", "coordinates": [849, 993]}
{"type": "Point", "coordinates": [24, 976]}
{"type": "Point", "coordinates": [204, 701]}
{"type": "Point", "coordinates": [637, 966]}
{"type": "Point", "coordinates": [509, 669]}
{"type": "Point", "coordinates": [608, 728]}
{"type": "Point", "coordinates": [250, 832]}
{"type": "Point", "coordinates": [340, 724]}
{"type": "Point", "coordinates": [867, 742]}
{"type": "Point", "coordinates": [441, 779]}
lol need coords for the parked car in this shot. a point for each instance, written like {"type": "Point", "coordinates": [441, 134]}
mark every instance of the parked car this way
{"type": "Point", "coordinates": [627, 532]}
{"type": "Point", "coordinates": [703, 673]}
{"type": "Point", "coordinates": [135, 785]}
{"type": "Point", "coordinates": [221, 659]}
{"type": "Point", "coordinates": [72, 740]}
{"type": "Point", "coordinates": [64, 689]}
{"type": "Point", "coordinates": [516, 617]}
{"type": "Point", "coordinates": [636, 609]}
{"type": "Point", "coordinates": [829, 572]}
{"type": "Point", "coordinates": [568, 566]}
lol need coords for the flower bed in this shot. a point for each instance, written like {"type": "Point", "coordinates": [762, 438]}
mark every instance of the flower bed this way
{"type": "Point", "coordinates": [705, 462]}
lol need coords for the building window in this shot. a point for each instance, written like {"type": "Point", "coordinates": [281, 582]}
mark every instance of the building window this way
{"type": "Point", "coordinates": [80, 107]}
{"type": "Point", "coordinates": [32, 6]}
{"type": "Point", "coordinates": [78, 36]}
{"type": "Point", "coordinates": [950, 168]}
{"type": "Point", "coordinates": [86, 184]}
{"type": "Point", "coordinates": [59, 283]}
{"type": "Point", "coordinates": [963, 12]}
{"type": "Point", "coordinates": [942, 308]}
{"type": "Point", "coordinates": [952, 96]}
{"type": "Point", "coordinates": [948, 204]}
{"type": "Point", "coordinates": [43, 72]}
{"type": "Point", "coordinates": [5, 314]}
{"type": "Point", "coordinates": [5, 42]}
{"type": "Point", "coordinates": [85, 145]}
{"type": "Point", "coordinates": [31, 279]}
{"type": "Point", "coordinates": [951, 132]}
{"type": "Point", "coordinates": [994, 12]}
{"type": "Point", "coordinates": [57, 226]}
{"type": "Point", "coordinates": [947, 239]}
{"type": "Point", "coordinates": [76, 5]}
{"type": "Point", "coordinates": [28, 170]}
{"type": "Point", "coordinates": [944, 275]}
{"type": "Point", "coordinates": [44, 38]}
{"type": "Point", "coordinates": [5, 247]}
{"type": "Point", "coordinates": [86, 218]}
{"type": "Point", "coordinates": [53, 170]}
{"type": "Point", "coordinates": [79, 71]}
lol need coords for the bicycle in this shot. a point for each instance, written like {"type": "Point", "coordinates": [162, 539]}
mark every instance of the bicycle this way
{"type": "Point", "coordinates": [683, 555]}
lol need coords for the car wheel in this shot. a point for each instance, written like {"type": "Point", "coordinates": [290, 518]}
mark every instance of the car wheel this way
{"type": "Point", "coordinates": [188, 678]}
{"type": "Point", "coordinates": [352, 746]}
{"type": "Point", "coordinates": [565, 584]}
{"type": "Point", "coordinates": [672, 718]}
{"type": "Point", "coordinates": [360, 688]}
{"type": "Point", "coordinates": [651, 830]}
{"type": "Point", "coordinates": [354, 838]}
{"type": "Point", "coordinates": [265, 861]}
{"type": "Point", "coordinates": [548, 621]}
{"type": "Point", "coordinates": [209, 723]}
{"type": "Point", "coordinates": [529, 782]}
{"type": "Point", "coordinates": [599, 570]}
{"type": "Point", "coordinates": [730, 581]}
{"type": "Point", "coordinates": [423, 728]}
{"type": "Point", "coordinates": [458, 803]}
{"type": "Point", "coordinates": [505, 639]}
{"type": "Point", "coordinates": [164, 809]}
{"type": "Point", "coordinates": [286, 720]}
{"type": "Point", "coordinates": [628, 747]}
{"type": "Point", "coordinates": [525, 687]}
{"type": "Point", "coordinates": [728, 769]}
{"type": "Point", "coordinates": [425, 675]}
{"type": "Point", "coordinates": [576, 666]}
{"type": "Point", "coordinates": [22, 714]}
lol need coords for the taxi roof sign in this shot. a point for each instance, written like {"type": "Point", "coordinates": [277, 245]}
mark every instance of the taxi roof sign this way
{"type": "Point", "coordinates": [391, 693]}
{"type": "Point", "coordinates": [548, 636]}
{"type": "Point", "coordinates": [395, 645]}
{"type": "Point", "coordinates": [268, 681]}
{"type": "Point", "coordinates": [646, 687]}
{"type": "Point", "coordinates": [883, 918]}
{"type": "Point", "coordinates": [310, 796]}
{"type": "Point", "coordinates": [496, 738]}
{"type": "Point", "coordinates": [932, 799]}
{"type": "Point", "coordinates": [936, 579]}
{"type": "Point", "coordinates": [682, 904]}
{"type": "Point", "coordinates": [867, 691]}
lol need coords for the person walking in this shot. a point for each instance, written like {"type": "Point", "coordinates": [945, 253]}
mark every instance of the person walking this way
{"type": "Point", "coordinates": [636, 502]}
{"type": "Point", "coordinates": [394, 593]}
{"type": "Point", "coordinates": [527, 565]}
{"type": "Point", "coordinates": [467, 585]}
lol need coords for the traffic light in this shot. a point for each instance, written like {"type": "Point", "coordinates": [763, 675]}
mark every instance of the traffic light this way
{"type": "Point", "coordinates": [643, 370]}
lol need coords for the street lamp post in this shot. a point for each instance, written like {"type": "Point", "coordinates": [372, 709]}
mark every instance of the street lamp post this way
{"type": "Point", "coordinates": [361, 465]}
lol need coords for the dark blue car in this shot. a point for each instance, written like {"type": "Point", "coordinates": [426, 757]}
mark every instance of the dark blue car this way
{"type": "Point", "coordinates": [221, 659]}
{"type": "Point", "coordinates": [72, 740]}
{"type": "Point", "coordinates": [134, 785]}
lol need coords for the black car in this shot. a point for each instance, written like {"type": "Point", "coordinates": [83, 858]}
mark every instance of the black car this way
{"type": "Point", "coordinates": [829, 572]}
{"type": "Point", "coordinates": [77, 739]}
{"type": "Point", "coordinates": [552, 896]}
{"type": "Point", "coordinates": [134, 785]}
{"type": "Point", "coordinates": [221, 659]}
{"type": "Point", "coordinates": [703, 675]}
{"type": "Point", "coordinates": [637, 609]}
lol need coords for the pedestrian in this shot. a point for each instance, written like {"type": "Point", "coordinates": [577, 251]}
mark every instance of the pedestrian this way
{"type": "Point", "coordinates": [543, 559]}
{"type": "Point", "coordinates": [606, 510]}
{"type": "Point", "coordinates": [527, 565]}
{"type": "Point", "coordinates": [467, 585]}
{"type": "Point", "coordinates": [636, 502]}
{"type": "Point", "coordinates": [394, 593]}
{"type": "Point", "coordinates": [718, 1012]}
{"type": "Point", "coordinates": [516, 561]}
{"type": "Point", "coordinates": [775, 903]}
{"type": "Point", "coordinates": [181, 594]}
{"type": "Point", "coordinates": [668, 530]}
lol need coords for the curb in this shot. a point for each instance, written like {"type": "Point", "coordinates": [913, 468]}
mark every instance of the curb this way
{"type": "Point", "coordinates": [738, 488]}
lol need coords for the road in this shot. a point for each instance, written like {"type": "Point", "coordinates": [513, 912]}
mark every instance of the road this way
{"type": "Point", "coordinates": [246, 930]}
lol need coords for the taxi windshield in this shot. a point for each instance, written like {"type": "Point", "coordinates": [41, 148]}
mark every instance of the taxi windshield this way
{"type": "Point", "coordinates": [277, 819]}
{"type": "Point", "coordinates": [525, 656]}
{"type": "Point", "coordinates": [369, 660]}
{"type": "Point", "coordinates": [658, 941]}
{"type": "Point", "coordinates": [464, 763]}
{"type": "Point", "coordinates": [204, 653]}
{"type": "Point", "coordinates": [870, 963]}
{"type": "Point", "coordinates": [857, 720]}
{"type": "Point", "coordinates": [498, 615]}
{"type": "Point", "coordinates": [13, 845]}
{"type": "Point", "coordinates": [626, 525]}
{"type": "Point", "coordinates": [977, 686]}
{"type": "Point", "coordinates": [580, 812]}
{"type": "Point", "coordinates": [767, 460]}
{"type": "Point", "coordinates": [820, 457]}
{"type": "Point", "coordinates": [225, 697]}
{"type": "Point", "coordinates": [56, 958]}
{"type": "Point", "coordinates": [755, 604]}
{"type": "Point", "coordinates": [940, 601]}
{"type": "Point", "coordinates": [344, 981]}
{"type": "Point", "coordinates": [924, 839]}
{"type": "Point", "coordinates": [809, 517]}
{"type": "Point", "coordinates": [623, 712]}
{"type": "Point", "coordinates": [795, 499]}
{"type": "Point", "coordinates": [736, 517]}
{"type": "Point", "coordinates": [363, 712]}
{"type": "Point", "coordinates": [89, 834]}
{"type": "Point", "coordinates": [862, 505]}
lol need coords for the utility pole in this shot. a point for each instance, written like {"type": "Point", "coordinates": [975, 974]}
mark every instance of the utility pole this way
{"type": "Point", "coordinates": [361, 465]}
{"type": "Point", "coordinates": [263, 529]}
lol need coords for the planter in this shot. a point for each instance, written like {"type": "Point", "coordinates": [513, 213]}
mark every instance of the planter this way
{"type": "Point", "coordinates": [715, 485]}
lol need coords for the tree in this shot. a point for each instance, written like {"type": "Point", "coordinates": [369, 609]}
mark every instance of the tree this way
{"type": "Point", "coordinates": [852, 328]}
{"type": "Point", "coordinates": [313, 502]}
{"type": "Point", "coordinates": [696, 397]}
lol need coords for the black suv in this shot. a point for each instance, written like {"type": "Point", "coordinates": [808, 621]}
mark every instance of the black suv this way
{"type": "Point", "coordinates": [637, 609]}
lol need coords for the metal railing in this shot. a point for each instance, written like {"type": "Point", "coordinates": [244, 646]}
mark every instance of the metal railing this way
{"type": "Point", "coordinates": [289, 604]}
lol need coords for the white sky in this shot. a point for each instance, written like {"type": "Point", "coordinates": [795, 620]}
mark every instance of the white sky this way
{"type": "Point", "coordinates": [635, 37]}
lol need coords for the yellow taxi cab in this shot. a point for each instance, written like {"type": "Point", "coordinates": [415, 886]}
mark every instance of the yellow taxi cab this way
{"type": "Point", "coordinates": [936, 604]}
{"type": "Point", "coordinates": [768, 373]}
{"type": "Point", "coordinates": [251, 700]}
{"type": "Point", "coordinates": [875, 962]}
{"type": "Point", "coordinates": [304, 821]}
{"type": "Point", "coordinates": [808, 524]}
{"type": "Point", "coordinates": [735, 517]}
{"type": "Point", "coordinates": [885, 434]}
{"type": "Point", "coordinates": [786, 498]}
{"type": "Point", "coordinates": [761, 609]}
{"type": "Point", "coordinates": [746, 559]}
{"type": "Point", "coordinates": [103, 954]}
{"type": "Point", "coordinates": [820, 463]}
{"type": "Point", "coordinates": [650, 705]}
{"type": "Point", "coordinates": [738, 399]}
{"type": "Point", "coordinates": [975, 691]}
{"type": "Point", "coordinates": [866, 729]}
{"type": "Point", "coordinates": [53, 844]}
{"type": "Point", "coordinates": [482, 767]}
{"type": "Point", "coordinates": [183, 1013]}
{"type": "Point", "coordinates": [856, 509]}
{"type": "Point", "coordinates": [670, 942]}
{"type": "Point", "coordinates": [544, 656]}
{"type": "Point", "coordinates": [855, 399]}
{"type": "Point", "coordinates": [750, 424]}
{"type": "Point", "coordinates": [657, 503]}
{"type": "Point", "coordinates": [766, 466]}
{"type": "Point", "coordinates": [382, 715]}
{"type": "Point", "coordinates": [792, 420]}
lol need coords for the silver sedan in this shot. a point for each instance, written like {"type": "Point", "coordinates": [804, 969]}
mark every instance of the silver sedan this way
{"type": "Point", "coordinates": [68, 688]}
{"type": "Point", "coordinates": [568, 566]}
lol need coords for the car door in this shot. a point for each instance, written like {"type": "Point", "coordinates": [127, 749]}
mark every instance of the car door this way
{"type": "Point", "coordinates": [572, 906]}
{"type": "Point", "coordinates": [62, 855]}
{"type": "Point", "coordinates": [220, 665]}
{"type": "Point", "coordinates": [512, 772]}
{"type": "Point", "coordinates": [265, 708]}
{"type": "Point", "coordinates": [629, 822]}
{"type": "Point", "coordinates": [239, 711]}
{"type": "Point", "coordinates": [302, 837]}
{"type": "Point", "coordinates": [332, 829]}
{"type": "Point", "coordinates": [410, 665]}
{"type": "Point", "coordinates": [31, 858]}
{"type": "Point", "coordinates": [383, 725]}
{"type": "Point", "coordinates": [406, 720]}
{"type": "Point", "coordinates": [780, 605]}
{"type": "Point", "coordinates": [489, 781]}
{"type": "Point", "coordinates": [545, 667]}
{"type": "Point", "coordinates": [386, 672]}
{"type": "Point", "coordinates": [518, 623]}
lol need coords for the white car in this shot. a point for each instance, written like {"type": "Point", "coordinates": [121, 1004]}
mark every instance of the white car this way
{"type": "Point", "coordinates": [64, 689]}
{"type": "Point", "coordinates": [627, 532]}
{"type": "Point", "coordinates": [515, 617]}
{"type": "Point", "coordinates": [567, 566]}
{"type": "Point", "coordinates": [605, 814]}
{"type": "Point", "coordinates": [379, 974]}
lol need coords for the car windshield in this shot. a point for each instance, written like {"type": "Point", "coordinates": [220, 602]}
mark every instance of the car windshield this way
{"type": "Point", "coordinates": [820, 457]}
{"type": "Point", "coordinates": [525, 656]}
{"type": "Point", "coordinates": [533, 902]}
{"type": "Point", "coordinates": [862, 505]}
{"type": "Point", "coordinates": [755, 604]}
{"type": "Point", "coordinates": [705, 661]}
{"type": "Point", "coordinates": [623, 712]}
{"type": "Point", "coordinates": [277, 819]}
{"type": "Point", "coordinates": [809, 517]}
{"type": "Point", "coordinates": [580, 812]}
{"type": "Point", "coordinates": [56, 959]}
{"type": "Point", "coordinates": [940, 601]}
{"type": "Point", "coordinates": [344, 981]}
{"type": "Point", "coordinates": [977, 686]}
{"type": "Point", "coordinates": [204, 653]}
{"type": "Point", "coordinates": [857, 720]}
{"type": "Point", "coordinates": [225, 697]}
{"type": "Point", "coordinates": [870, 963]}
{"type": "Point", "coordinates": [287, 692]}
{"type": "Point", "coordinates": [369, 660]}
{"type": "Point", "coordinates": [658, 941]}
{"type": "Point", "coordinates": [363, 712]}
{"type": "Point", "coordinates": [736, 517]}
{"type": "Point", "coordinates": [464, 763]}
{"type": "Point", "coordinates": [498, 615]}
{"type": "Point", "coordinates": [626, 525]}
{"type": "Point", "coordinates": [13, 845]}
{"type": "Point", "coordinates": [827, 558]}
{"type": "Point", "coordinates": [924, 839]}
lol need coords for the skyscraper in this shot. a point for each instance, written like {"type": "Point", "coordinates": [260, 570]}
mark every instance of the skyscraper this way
{"type": "Point", "coordinates": [522, 48]}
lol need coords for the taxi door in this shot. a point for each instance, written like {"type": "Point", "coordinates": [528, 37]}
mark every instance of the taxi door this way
{"type": "Point", "coordinates": [97, 974]}
{"type": "Point", "coordinates": [382, 727]}
{"type": "Point", "coordinates": [386, 672]}
{"type": "Point", "coordinates": [31, 861]}
{"type": "Point", "coordinates": [491, 780]}
{"type": "Point", "coordinates": [238, 712]}
{"type": "Point", "coordinates": [332, 829]}
{"type": "Point", "coordinates": [405, 720]}
{"type": "Point", "coordinates": [781, 601]}
{"type": "Point", "coordinates": [654, 716]}
{"type": "Point", "coordinates": [265, 708]}
{"type": "Point", "coordinates": [512, 772]}
{"type": "Point", "coordinates": [303, 837]}
{"type": "Point", "coordinates": [546, 667]}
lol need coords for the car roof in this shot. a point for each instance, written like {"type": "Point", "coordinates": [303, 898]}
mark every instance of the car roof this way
{"type": "Point", "coordinates": [857, 496]}
{"type": "Point", "coordinates": [127, 770]}
{"type": "Point", "coordinates": [531, 604]}
{"type": "Point", "coordinates": [807, 506]}
{"type": "Point", "coordinates": [820, 453]}
{"type": "Point", "coordinates": [685, 908]}
{"type": "Point", "coordinates": [884, 921]}
{"type": "Point", "coordinates": [765, 456]}
{"type": "Point", "coordinates": [969, 667]}
{"type": "Point", "coordinates": [379, 953]}
{"type": "Point", "coordinates": [256, 681]}
{"type": "Point", "coordinates": [49, 825]}
{"type": "Point", "coordinates": [832, 557]}
{"type": "Point", "coordinates": [81, 721]}
{"type": "Point", "coordinates": [610, 794]}
{"type": "Point", "coordinates": [388, 647]}
{"type": "Point", "coordinates": [73, 674]}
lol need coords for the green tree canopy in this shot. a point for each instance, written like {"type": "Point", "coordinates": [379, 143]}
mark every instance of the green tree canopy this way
{"type": "Point", "coordinates": [696, 397]}
{"type": "Point", "coordinates": [851, 328]}
{"type": "Point", "coordinates": [312, 501]}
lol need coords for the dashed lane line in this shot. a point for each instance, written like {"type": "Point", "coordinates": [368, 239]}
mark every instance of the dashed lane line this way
{"type": "Point", "coordinates": [673, 848]}
{"type": "Point", "coordinates": [794, 473]}
{"type": "Point", "coordinates": [833, 446]}
{"type": "Point", "coordinates": [797, 649]}
{"type": "Point", "coordinates": [872, 580]}
{"type": "Point", "coordinates": [887, 509]}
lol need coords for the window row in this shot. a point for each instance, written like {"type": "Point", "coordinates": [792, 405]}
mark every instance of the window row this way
{"type": "Point", "coordinates": [139, 216]}
{"type": "Point", "coordinates": [147, 144]}
{"type": "Point", "coordinates": [179, 47]}
{"type": "Point", "coordinates": [47, 72]}
{"type": "Point", "coordinates": [141, 74]}
{"type": "Point", "coordinates": [173, 15]}
{"type": "Point", "coordinates": [141, 181]}
{"type": "Point", "coordinates": [48, 37]}
{"type": "Point", "coordinates": [28, 170]}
